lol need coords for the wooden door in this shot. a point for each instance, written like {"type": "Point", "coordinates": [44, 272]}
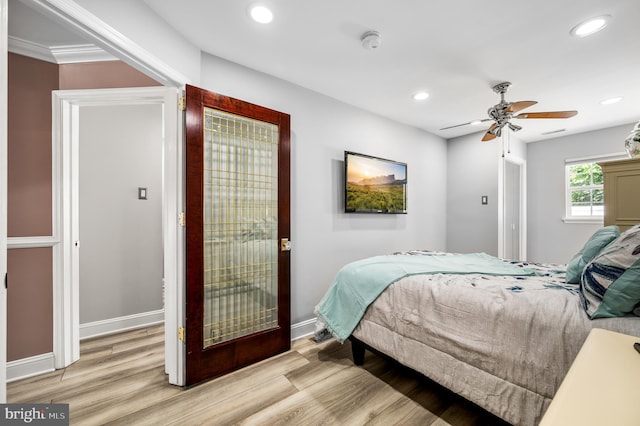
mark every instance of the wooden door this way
{"type": "Point", "coordinates": [237, 230]}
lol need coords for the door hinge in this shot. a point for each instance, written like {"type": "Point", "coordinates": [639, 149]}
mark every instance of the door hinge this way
{"type": "Point", "coordinates": [181, 334]}
{"type": "Point", "coordinates": [182, 220]}
{"type": "Point", "coordinates": [182, 103]}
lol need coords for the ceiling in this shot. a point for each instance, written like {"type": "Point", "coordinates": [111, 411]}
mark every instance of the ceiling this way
{"type": "Point", "coordinates": [454, 50]}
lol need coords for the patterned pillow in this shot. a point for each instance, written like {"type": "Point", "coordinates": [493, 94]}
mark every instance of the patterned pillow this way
{"type": "Point", "coordinates": [599, 240]}
{"type": "Point", "coordinates": [610, 283]}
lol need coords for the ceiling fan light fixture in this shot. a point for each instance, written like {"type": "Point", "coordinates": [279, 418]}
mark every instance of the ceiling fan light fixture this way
{"type": "Point", "coordinates": [513, 127]}
{"type": "Point", "coordinates": [590, 26]}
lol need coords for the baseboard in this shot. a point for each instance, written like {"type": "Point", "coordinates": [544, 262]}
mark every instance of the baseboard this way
{"type": "Point", "coordinates": [303, 329]}
{"type": "Point", "coordinates": [44, 363]}
{"type": "Point", "coordinates": [29, 367]}
{"type": "Point", "coordinates": [117, 325]}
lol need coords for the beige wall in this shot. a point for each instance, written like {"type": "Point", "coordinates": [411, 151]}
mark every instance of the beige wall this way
{"type": "Point", "coordinates": [29, 307]}
{"type": "Point", "coordinates": [102, 75]}
{"type": "Point", "coordinates": [29, 297]}
{"type": "Point", "coordinates": [29, 152]}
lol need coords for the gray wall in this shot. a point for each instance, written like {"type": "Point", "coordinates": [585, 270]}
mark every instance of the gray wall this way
{"type": "Point", "coordinates": [472, 171]}
{"type": "Point", "coordinates": [444, 205]}
{"type": "Point", "coordinates": [323, 237]}
{"type": "Point", "coordinates": [121, 236]}
{"type": "Point", "coordinates": [550, 239]}
{"type": "Point", "coordinates": [140, 24]}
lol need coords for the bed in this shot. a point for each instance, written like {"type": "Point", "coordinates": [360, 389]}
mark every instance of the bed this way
{"type": "Point", "coordinates": [502, 340]}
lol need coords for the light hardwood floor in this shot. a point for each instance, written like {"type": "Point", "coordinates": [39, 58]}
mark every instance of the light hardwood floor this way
{"type": "Point", "coordinates": [120, 380]}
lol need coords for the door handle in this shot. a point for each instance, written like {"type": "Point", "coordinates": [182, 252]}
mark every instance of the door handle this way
{"type": "Point", "coordinates": [285, 244]}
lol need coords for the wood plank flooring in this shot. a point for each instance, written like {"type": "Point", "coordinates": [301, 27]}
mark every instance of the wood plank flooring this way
{"type": "Point", "coordinates": [120, 380]}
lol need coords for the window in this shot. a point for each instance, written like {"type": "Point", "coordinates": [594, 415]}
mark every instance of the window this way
{"type": "Point", "coordinates": [585, 188]}
{"type": "Point", "coordinates": [585, 194]}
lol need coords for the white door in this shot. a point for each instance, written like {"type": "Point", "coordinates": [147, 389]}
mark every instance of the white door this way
{"type": "Point", "coordinates": [512, 210]}
{"type": "Point", "coordinates": [3, 200]}
{"type": "Point", "coordinates": [66, 110]}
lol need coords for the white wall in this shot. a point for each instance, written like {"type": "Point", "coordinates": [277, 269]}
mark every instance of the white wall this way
{"type": "Point", "coordinates": [323, 237]}
{"type": "Point", "coordinates": [550, 239]}
{"type": "Point", "coordinates": [120, 235]}
{"type": "Point", "coordinates": [141, 25]}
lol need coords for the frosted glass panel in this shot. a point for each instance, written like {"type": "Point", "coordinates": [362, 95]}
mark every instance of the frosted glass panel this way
{"type": "Point", "coordinates": [240, 226]}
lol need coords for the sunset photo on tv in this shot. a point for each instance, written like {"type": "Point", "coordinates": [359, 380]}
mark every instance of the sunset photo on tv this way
{"type": "Point", "coordinates": [374, 185]}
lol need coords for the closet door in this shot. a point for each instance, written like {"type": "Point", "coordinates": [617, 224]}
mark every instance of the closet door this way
{"type": "Point", "coordinates": [237, 230]}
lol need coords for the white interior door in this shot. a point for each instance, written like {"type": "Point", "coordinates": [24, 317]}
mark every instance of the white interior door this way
{"type": "Point", "coordinates": [3, 200]}
{"type": "Point", "coordinates": [512, 209]}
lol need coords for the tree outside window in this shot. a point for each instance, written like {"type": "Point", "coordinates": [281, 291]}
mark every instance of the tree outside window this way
{"type": "Point", "coordinates": [586, 194]}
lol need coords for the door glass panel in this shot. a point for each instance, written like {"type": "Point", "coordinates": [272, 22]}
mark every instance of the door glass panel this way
{"type": "Point", "coordinates": [240, 226]}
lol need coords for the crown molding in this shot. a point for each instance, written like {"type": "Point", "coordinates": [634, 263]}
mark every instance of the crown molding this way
{"type": "Point", "coordinates": [67, 54]}
{"type": "Point", "coordinates": [30, 49]}
{"type": "Point", "coordinates": [80, 53]}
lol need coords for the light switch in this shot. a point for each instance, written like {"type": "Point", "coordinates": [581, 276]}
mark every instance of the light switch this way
{"type": "Point", "coordinates": [485, 200]}
{"type": "Point", "coordinates": [142, 193]}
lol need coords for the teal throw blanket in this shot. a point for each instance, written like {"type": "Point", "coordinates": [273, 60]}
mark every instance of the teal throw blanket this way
{"type": "Point", "coordinates": [359, 283]}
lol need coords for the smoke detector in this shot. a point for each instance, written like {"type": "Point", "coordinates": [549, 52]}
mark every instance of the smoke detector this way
{"type": "Point", "coordinates": [371, 40]}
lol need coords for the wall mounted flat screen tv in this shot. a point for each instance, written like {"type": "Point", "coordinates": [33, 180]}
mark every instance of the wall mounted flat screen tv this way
{"type": "Point", "coordinates": [374, 185]}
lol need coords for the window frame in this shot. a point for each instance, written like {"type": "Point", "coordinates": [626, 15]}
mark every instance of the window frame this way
{"type": "Point", "coordinates": [592, 219]}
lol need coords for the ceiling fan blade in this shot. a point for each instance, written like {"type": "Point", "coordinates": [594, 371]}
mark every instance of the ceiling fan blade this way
{"type": "Point", "coordinates": [466, 124]}
{"type": "Point", "coordinates": [518, 106]}
{"type": "Point", "coordinates": [550, 114]}
{"type": "Point", "coordinates": [489, 135]}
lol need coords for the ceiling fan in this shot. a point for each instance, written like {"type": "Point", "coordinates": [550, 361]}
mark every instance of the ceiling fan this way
{"type": "Point", "coordinates": [502, 113]}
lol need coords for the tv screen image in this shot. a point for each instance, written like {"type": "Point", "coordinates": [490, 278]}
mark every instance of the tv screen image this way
{"type": "Point", "coordinates": [374, 185]}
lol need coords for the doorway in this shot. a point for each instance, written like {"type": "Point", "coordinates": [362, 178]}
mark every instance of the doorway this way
{"type": "Point", "coordinates": [512, 238]}
{"type": "Point", "coordinates": [120, 217]}
{"type": "Point", "coordinates": [67, 112]}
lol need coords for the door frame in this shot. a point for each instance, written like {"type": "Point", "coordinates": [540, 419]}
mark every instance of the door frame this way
{"type": "Point", "coordinates": [522, 165]}
{"type": "Point", "coordinates": [69, 14]}
{"type": "Point", "coordinates": [66, 306]}
{"type": "Point", "coordinates": [3, 198]}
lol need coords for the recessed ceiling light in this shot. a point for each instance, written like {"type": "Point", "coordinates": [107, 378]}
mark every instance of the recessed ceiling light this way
{"type": "Point", "coordinates": [420, 96]}
{"type": "Point", "coordinates": [590, 26]}
{"type": "Point", "coordinates": [261, 14]}
{"type": "Point", "coordinates": [611, 100]}
{"type": "Point", "coordinates": [476, 122]}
